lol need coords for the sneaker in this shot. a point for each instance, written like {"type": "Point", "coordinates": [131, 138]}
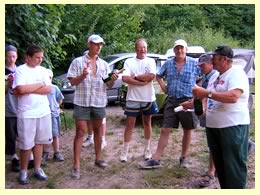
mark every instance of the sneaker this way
{"type": "Point", "coordinates": [23, 178]}
{"type": "Point", "coordinates": [184, 162]}
{"type": "Point", "coordinates": [147, 155]}
{"type": "Point", "coordinates": [58, 157]}
{"type": "Point", "coordinates": [75, 173]}
{"type": "Point", "coordinates": [15, 165]}
{"type": "Point", "coordinates": [88, 142]}
{"type": "Point", "coordinates": [40, 175]}
{"type": "Point", "coordinates": [207, 180]}
{"type": "Point", "coordinates": [151, 164]}
{"type": "Point", "coordinates": [104, 144]}
{"type": "Point", "coordinates": [123, 156]}
{"type": "Point", "coordinates": [101, 163]}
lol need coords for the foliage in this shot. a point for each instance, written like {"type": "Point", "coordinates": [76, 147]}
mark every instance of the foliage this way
{"type": "Point", "coordinates": [62, 30]}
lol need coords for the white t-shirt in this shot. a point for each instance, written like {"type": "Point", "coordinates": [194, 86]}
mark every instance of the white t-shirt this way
{"type": "Point", "coordinates": [221, 115]}
{"type": "Point", "coordinates": [135, 67]}
{"type": "Point", "coordinates": [32, 105]}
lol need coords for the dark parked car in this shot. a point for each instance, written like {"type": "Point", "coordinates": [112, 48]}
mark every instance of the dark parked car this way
{"type": "Point", "coordinates": [114, 61]}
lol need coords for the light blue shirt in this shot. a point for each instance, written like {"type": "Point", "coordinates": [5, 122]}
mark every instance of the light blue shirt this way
{"type": "Point", "coordinates": [180, 85]}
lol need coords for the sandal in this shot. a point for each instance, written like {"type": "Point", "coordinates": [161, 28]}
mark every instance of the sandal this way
{"type": "Point", "coordinates": [207, 180]}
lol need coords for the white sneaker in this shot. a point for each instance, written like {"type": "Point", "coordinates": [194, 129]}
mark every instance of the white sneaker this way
{"type": "Point", "coordinates": [104, 144]}
{"type": "Point", "coordinates": [88, 142]}
{"type": "Point", "coordinates": [147, 154]}
{"type": "Point", "coordinates": [123, 156]}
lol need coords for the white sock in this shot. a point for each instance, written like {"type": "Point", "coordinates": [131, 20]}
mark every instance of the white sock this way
{"type": "Point", "coordinates": [103, 138]}
{"type": "Point", "coordinates": [147, 144]}
{"type": "Point", "coordinates": [15, 156]}
{"type": "Point", "coordinates": [126, 147]}
{"type": "Point", "coordinates": [90, 137]}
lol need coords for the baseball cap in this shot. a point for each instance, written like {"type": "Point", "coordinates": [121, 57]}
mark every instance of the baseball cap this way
{"type": "Point", "coordinates": [180, 42]}
{"type": "Point", "coordinates": [96, 39]}
{"type": "Point", "coordinates": [10, 48]}
{"type": "Point", "coordinates": [204, 58]}
{"type": "Point", "coordinates": [223, 51]}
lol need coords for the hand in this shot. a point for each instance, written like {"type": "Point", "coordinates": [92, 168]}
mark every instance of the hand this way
{"type": "Point", "coordinates": [199, 92]}
{"type": "Point", "coordinates": [187, 104]}
{"type": "Point", "coordinates": [115, 76]}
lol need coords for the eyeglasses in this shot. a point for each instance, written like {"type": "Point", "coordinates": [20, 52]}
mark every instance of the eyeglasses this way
{"type": "Point", "coordinates": [216, 82]}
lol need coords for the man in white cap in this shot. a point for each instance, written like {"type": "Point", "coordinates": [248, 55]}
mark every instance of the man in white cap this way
{"type": "Point", "coordinates": [87, 73]}
{"type": "Point", "coordinates": [181, 73]}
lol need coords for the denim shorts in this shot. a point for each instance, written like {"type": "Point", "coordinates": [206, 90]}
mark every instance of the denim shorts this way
{"type": "Point", "coordinates": [135, 109]}
{"type": "Point", "coordinates": [55, 126]}
{"type": "Point", "coordinates": [87, 113]}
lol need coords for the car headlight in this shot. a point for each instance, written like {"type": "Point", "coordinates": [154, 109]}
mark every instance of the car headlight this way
{"type": "Point", "coordinates": [66, 85]}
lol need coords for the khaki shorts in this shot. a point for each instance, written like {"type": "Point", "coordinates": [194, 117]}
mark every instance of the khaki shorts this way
{"type": "Point", "coordinates": [172, 119]}
{"type": "Point", "coordinates": [33, 131]}
{"type": "Point", "coordinates": [88, 113]}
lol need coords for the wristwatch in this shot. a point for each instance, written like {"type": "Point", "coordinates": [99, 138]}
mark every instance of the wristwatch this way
{"type": "Point", "coordinates": [210, 94]}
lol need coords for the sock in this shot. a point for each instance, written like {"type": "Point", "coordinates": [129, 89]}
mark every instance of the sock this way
{"type": "Point", "coordinates": [147, 144]}
{"type": "Point", "coordinates": [103, 138]}
{"type": "Point", "coordinates": [90, 137]}
{"type": "Point", "coordinates": [126, 147]}
{"type": "Point", "coordinates": [15, 157]}
{"type": "Point", "coordinates": [23, 171]}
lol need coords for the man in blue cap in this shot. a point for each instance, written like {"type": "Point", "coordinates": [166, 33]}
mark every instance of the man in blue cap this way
{"type": "Point", "coordinates": [10, 108]}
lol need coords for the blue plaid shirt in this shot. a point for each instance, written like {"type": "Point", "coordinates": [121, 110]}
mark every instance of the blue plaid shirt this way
{"type": "Point", "coordinates": [180, 85]}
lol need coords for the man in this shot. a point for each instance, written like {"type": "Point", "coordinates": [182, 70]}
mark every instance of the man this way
{"type": "Point", "coordinates": [227, 119]}
{"type": "Point", "coordinates": [87, 73]}
{"type": "Point", "coordinates": [181, 73]}
{"type": "Point", "coordinates": [31, 85]}
{"type": "Point", "coordinates": [10, 108]}
{"type": "Point", "coordinates": [139, 74]}
{"type": "Point", "coordinates": [206, 67]}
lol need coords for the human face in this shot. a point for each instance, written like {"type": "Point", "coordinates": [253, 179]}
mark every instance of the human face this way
{"type": "Point", "coordinates": [141, 49]}
{"type": "Point", "coordinates": [94, 48]}
{"type": "Point", "coordinates": [180, 52]}
{"type": "Point", "coordinates": [218, 61]}
{"type": "Point", "coordinates": [206, 67]}
{"type": "Point", "coordinates": [35, 60]}
{"type": "Point", "coordinates": [10, 58]}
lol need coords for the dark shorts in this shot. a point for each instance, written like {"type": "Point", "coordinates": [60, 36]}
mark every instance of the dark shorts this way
{"type": "Point", "coordinates": [172, 119]}
{"type": "Point", "coordinates": [87, 113]}
{"type": "Point", "coordinates": [135, 109]}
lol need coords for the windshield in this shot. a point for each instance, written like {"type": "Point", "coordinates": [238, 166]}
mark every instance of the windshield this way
{"type": "Point", "coordinates": [109, 59]}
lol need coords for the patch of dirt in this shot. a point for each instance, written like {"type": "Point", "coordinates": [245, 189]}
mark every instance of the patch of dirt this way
{"type": "Point", "coordinates": [127, 175]}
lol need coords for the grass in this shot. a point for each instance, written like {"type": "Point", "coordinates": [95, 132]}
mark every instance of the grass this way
{"type": "Point", "coordinates": [169, 176]}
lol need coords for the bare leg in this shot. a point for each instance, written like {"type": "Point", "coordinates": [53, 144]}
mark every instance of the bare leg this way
{"type": "Point", "coordinates": [81, 126]}
{"type": "Point", "coordinates": [56, 144]}
{"type": "Point", "coordinates": [129, 128]}
{"type": "Point", "coordinates": [186, 139]}
{"type": "Point", "coordinates": [163, 141]}
{"type": "Point", "coordinates": [97, 123]}
{"type": "Point", "coordinates": [212, 169]}
{"type": "Point", "coordinates": [37, 153]}
{"type": "Point", "coordinates": [24, 158]}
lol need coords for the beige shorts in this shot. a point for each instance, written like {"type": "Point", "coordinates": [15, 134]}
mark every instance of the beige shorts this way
{"type": "Point", "coordinates": [33, 131]}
